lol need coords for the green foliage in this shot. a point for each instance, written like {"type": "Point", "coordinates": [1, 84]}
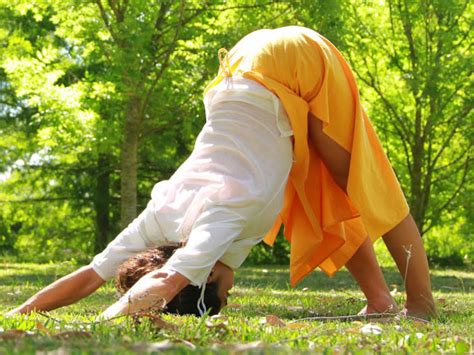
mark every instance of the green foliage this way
{"type": "Point", "coordinates": [278, 254]}
{"type": "Point", "coordinates": [449, 246]}
{"type": "Point", "coordinates": [413, 61]}
{"type": "Point", "coordinates": [74, 74]}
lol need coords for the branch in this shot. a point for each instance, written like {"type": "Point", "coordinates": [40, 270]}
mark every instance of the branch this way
{"type": "Point", "coordinates": [456, 20]}
{"type": "Point", "coordinates": [448, 139]}
{"type": "Point", "coordinates": [390, 52]}
{"type": "Point", "coordinates": [448, 100]}
{"type": "Point", "coordinates": [444, 167]}
{"type": "Point", "coordinates": [117, 10]}
{"type": "Point", "coordinates": [438, 212]}
{"type": "Point", "coordinates": [105, 18]}
{"type": "Point", "coordinates": [167, 54]}
{"type": "Point", "coordinates": [222, 9]}
{"type": "Point", "coordinates": [164, 7]}
{"type": "Point", "coordinates": [391, 108]}
{"type": "Point", "coordinates": [407, 27]}
{"type": "Point", "coordinates": [402, 131]}
{"type": "Point", "coordinates": [157, 129]}
{"type": "Point", "coordinates": [451, 172]}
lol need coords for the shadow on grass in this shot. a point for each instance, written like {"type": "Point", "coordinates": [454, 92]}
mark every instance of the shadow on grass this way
{"type": "Point", "coordinates": [269, 277]}
{"type": "Point", "coordinates": [278, 278]}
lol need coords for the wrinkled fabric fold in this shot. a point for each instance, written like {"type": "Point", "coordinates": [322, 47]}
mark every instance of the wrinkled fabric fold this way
{"type": "Point", "coordinates": [324, 225]}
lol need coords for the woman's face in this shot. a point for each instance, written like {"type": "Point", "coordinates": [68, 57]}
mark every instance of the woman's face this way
{"type": "Point", "coordinates": [224, 277]}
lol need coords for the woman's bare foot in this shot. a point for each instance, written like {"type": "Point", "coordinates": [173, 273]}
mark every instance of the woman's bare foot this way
{"type": "Point", "coordinates": [424, 309]}
{"type": "Point", "coordinates": [384, 305]}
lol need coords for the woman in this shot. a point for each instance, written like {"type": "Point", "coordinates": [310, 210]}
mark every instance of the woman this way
{"type": "Point", "coordinates": [286, 141]}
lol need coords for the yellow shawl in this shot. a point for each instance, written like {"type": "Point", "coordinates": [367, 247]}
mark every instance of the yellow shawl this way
{"type": "Point", "coordinates": [324, 225]}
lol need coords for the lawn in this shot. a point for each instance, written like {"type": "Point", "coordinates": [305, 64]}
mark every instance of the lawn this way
{"type": "Point", "coordinates": [264, 316]}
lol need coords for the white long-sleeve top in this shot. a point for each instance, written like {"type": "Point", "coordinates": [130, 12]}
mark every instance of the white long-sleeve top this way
{"type": "Point", "coordinates": [225, 197]}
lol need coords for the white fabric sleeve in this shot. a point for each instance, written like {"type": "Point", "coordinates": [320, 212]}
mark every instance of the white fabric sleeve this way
{"type": "Point", "coordinates": [238, 251]}
{"type": "Point", "coordinates": [132, 240]}
{"type": "Point", "coordinates": [212, 234]}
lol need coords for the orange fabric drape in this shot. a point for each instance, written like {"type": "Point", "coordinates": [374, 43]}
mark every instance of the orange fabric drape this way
{"type": "Point", "coordinates": [309, 75]}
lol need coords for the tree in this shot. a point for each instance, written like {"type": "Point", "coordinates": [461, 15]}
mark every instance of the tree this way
{"type": "Point", "coordinates": [116, 89]}
{"type": "Point", "coordinates": [413, 59]}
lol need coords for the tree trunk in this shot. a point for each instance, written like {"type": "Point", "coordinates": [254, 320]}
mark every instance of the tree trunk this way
{"type": "Point", "coordinates": [102, 203]}
{"type": "Point", "coordinates": [128, 165]}
{"type": "Point", "coordinates": [417, 198]}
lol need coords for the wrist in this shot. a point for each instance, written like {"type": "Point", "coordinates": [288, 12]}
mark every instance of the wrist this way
{"type": "Point", "coordinates": [173, 281]}
{"type": "Point", "coordinates": [178, 280]}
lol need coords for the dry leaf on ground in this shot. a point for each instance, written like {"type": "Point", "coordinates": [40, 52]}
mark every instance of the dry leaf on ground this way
{"type": "Point", "coordinates": [14, 334]}
{"type": "Point", "coordinates": [273, 320]}
{"type": "Point", "coordinates": [234, 306]}
{"type": "Point", "coordinates": [41, 326]}
{"type": "Point", "coordinates": [159, 322]}
{"type": "Point", "coordinates": [297, 325]}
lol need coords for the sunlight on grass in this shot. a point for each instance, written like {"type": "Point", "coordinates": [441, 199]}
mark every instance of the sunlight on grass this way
{"type": "Point", "coordinates": [264, 315]}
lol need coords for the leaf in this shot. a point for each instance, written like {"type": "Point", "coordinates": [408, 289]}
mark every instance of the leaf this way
{"type": "Point", "coordinates": [41, 326]}
{"type": "Point", "coordinates": [352, 330]}
{"type": "Point", "coordinates": [274, 321]}
{"type": "Point", "coordinates": [158, 322]}
{"type": "Point", "coordinates": [297, 325]}
{"type": "Point", "coordinates": [371, 329]}
{"type": "Point", "coordinates": [217, 325]}
{"type": "Point", "coordinates": [13, 334]}
{"type": "Point", "coordinates": [234, 306]}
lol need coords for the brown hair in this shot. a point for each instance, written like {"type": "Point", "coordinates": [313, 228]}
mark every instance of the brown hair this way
{"type": "Point", "coordinates": [185, 302]}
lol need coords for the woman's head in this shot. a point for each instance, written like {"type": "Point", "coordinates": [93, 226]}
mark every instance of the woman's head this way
{"type": "Point", "coordinates": [186, 301]}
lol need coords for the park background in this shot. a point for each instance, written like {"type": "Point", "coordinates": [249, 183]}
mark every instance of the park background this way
{"type": "Point", "coordinates": [99, 100]}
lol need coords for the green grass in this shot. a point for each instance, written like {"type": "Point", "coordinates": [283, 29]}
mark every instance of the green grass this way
{"type": "Point", "coordinates": [259, 292]}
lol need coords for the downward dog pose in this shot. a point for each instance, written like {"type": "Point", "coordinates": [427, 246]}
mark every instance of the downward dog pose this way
{"type": "Point", "coordinates": [286, 142]}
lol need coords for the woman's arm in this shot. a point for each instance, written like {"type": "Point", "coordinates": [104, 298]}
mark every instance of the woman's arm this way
{"type": "Point", "coordinates": [68, 289]}
{"type": "Point", "coordinates": [212, 234]}
{"type": "Point", "coordinates": [153, 290]}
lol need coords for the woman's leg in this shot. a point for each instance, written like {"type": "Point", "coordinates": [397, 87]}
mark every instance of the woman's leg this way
{"type": "Point", "coordinates": [366, 271]}
{"type": "Point", "coordinates": [406, 247]}
{"type": "Point", "coordinates": [363, 265]}
{"type": "Point", "coordinates": [404, 236]}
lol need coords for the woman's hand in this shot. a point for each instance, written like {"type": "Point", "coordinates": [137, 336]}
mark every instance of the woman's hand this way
{"type": "Point", "coordinates": [154, 290]}
{"type": "Point", "coordinates": [68, 289]}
